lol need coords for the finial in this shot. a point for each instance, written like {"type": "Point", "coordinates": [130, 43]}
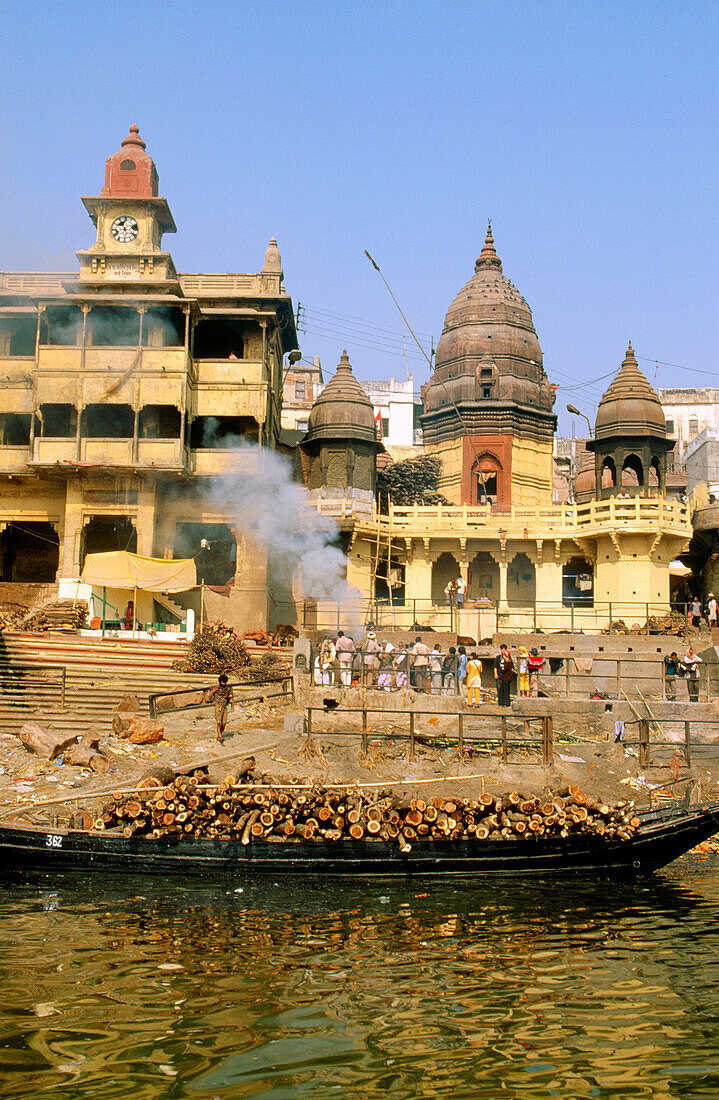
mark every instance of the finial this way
{"type": "Point", "coordinates": [488, 256]}
{"type": "Point", "coordinates": [630, 354]}
{"type": "Point", "coordinates": [344, 363]}
{"type": "Point", "coordinates": [273, 260]}
{"type": "Point", "coordinates": [133, 138]}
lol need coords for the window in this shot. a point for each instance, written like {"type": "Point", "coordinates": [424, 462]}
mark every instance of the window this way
{"type": "Point", "coordinates": [300, 390]}
{"type": "Point", "coordinates": [302, 425]}
{"type": "Point", "coordinates": [486, 391]}
{"type": "Point", "coordinates": [669, 427]}
{"type": "Point", "coordinates": [385, 427]}
{"type": "Point", "coordinates": [693, 426]}
{"type": "Point", "coordinates": [128, 166]}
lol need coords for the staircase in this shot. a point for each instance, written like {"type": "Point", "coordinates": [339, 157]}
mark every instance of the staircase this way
{"type": "Point", "coordinates": [74, 683]}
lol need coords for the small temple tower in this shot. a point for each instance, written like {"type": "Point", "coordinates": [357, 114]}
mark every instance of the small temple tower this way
{"type": "Point", "coordinates": [630, 442]}
{"type": "Point", "coordinates": [488, 405]}
{"type": "Point", "coordinates": [341, 443]}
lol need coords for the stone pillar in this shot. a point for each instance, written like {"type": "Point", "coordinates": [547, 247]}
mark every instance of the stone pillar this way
{"type": "Point", "coordinates": [69, 559]}
{"type": "Point", "coordinates": [502, 582]}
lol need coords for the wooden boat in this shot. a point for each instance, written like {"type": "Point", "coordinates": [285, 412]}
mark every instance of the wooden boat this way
{"type": "Point", "coordinates": [662, 836]}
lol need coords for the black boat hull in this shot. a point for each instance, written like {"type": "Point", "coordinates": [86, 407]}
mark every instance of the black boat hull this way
{"type": "Point", "coordinates": [662, 837]}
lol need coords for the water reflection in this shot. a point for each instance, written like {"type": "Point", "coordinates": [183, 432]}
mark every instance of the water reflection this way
{"type": "Point", "coordinates": [128, 988]}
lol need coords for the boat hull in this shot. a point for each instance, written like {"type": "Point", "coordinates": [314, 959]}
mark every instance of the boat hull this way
{"type": "Point", "coordinates": [661, 838]}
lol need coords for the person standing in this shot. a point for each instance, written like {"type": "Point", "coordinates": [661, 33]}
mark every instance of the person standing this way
{"type": "Point", "coordinates": [671, 670]}
{"type": "Point", "coordinates": [503, 671]}
{"type": "Point", "coordinates": [474, 681]}
{"type": "Point", "coordinates": [327, 659]}
{"type": "Point", "coordinates": [696, 611]}
{"type": "Point", "coordinates": [370, 649]}
{"type": "Point", "coordinates": [691, 664]}
{"type": "Point", "coordinates": [386, 667]}
{"type": "Point", "coordinates": [712, 611]}
{"type": "Point", "coordinates": [420, 666]}
{"type": "Point", "coordinates": [435, 670]}
{"type": "Point", "coordinates": [536, 664]}
{"type": "Point", "coordinates": [221, 697]}
{"type": "Point", "coordinates": [401, 663]}
{"type": "Point", "coordinates": [461, 669]}
{"type": "Point", "coordinates": [449, 671]}
{"type": "Point", "coordinates": [523, 672]}
{"type": "Point", "coordinates": [449, 592]}
{"type": "Point", "coordinates": [461, 591]}
{"type": "Point", "coordinates": [345, 648]}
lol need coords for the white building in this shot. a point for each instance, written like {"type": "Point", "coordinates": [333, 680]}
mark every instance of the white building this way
{"type": "Point", "coordinates": [395, 407]}
{"type": "Point", "coordinates": [688, 412]}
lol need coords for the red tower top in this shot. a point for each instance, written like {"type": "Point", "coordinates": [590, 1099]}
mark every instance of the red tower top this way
{"type": "Point", "coordinates": [131, 171]}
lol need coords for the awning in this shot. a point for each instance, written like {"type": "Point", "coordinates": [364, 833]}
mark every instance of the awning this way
{"type": "Point", "coordinates": [120, 569]}
{"type": "Point", "coordinates": [679, 569]}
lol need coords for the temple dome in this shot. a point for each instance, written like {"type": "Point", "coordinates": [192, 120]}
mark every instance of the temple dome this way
{"type": "Point", "coordinates": [343, 410]}
{"type": "Point", "coordinates": [488, 336]}
{"type": "Point", "coordinates": [630, 407]}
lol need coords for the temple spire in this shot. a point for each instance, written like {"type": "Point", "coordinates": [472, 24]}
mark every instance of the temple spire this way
{"type": "Point", "coordinates": [488, 256]}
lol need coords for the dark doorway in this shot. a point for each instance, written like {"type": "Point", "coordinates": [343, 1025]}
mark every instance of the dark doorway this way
{"type": "Point", "coordinates": [108, 422]}
{"type": "Point", "coordinates": [160, 422]}
{"type": "Point", "coordinates": [216, 561]}
{"type": "Point", "coordinates": [105, 533]}
{"type": "Point", "coordinates": [29, 552]}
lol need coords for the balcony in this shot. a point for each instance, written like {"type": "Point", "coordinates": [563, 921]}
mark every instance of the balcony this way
{"type": "Point", "coordinates": [228, 372]}
{"type": "Point", "coordinates": [48, 451]}
{"type": "Point", "coordinates": [106, 452]}
{"type": "Point", "coordinates": [161, 454]}
{"type": "Point", "coordinates": [14, 460]}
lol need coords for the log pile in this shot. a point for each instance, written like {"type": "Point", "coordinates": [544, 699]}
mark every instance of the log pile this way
{"type": "Point", "coordinates": [673, 623]}
{"type": "Point", "coordinates": [11, 615]}
{"type": "Point", "coordinates": [413, 481]}
{"type": "Point", "coordinates": [214, 648]}
{"type": "Point", "coordinates": [60, 617]}
{"type": "Point", "coordinates": [189, 807]}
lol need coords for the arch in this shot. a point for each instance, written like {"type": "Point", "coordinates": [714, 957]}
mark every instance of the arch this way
{"type": "Point", "coordinates": [103, 533]}
{"type": "Point", "coordinates": [609, 473]}
{"type": "Point", "coordinates": [521, 581]}
{"type": "Point", "coordinates": [655, 473]}
{"type": "Point", "coordinates": [632, 472]}
{"type": "Point", "coordinates": [444, 570]}
{"type": "Point", "coordinates": [578, 583]}
{"type": "Point", "coordinates": [483, 578]}
{"type": "Point", "coordinates": [486, 479]}
{"type": "Point", "coordinates": [128, 166]}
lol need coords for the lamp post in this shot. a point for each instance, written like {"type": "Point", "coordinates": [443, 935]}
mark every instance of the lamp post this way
{"type": "Point", "coordinates": [576, 412]}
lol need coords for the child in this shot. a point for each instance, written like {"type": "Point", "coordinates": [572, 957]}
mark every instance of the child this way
{"type": "Point", "coordinates": [523, 671]}
{"type": "Point", "coordinates": [474, 681]}
{"type": "Point", "coordinates": [222, 696]}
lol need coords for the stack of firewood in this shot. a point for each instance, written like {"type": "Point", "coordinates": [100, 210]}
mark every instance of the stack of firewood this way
{"type": "Point", "coordinates": [413, 481]}
{"type": "Point", "coordinates": [673, 623]}
{"type": "Point", "coordinates": [214, 648]}
{"type": "Point", "coordinates": [189, 807]}
{"type": "Point", "coordinates": [60, 617]}
{"type": "Point", "coordinates": [11, 615]}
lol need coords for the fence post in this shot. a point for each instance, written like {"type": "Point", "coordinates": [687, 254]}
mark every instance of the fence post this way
{"type": "Point", "coordinates": [687, 745]}
{"type": "Point", "coordinates": [567, 659]}
{"type": "Point", "coordinates": [547, 741]}
{"type": "Point", "coordinates": [364, 730]}
{"type": "Point", "coordinates": [643, 743]}
{"type": "Point", "coordinates": [619, 677]}
{"type": "Point", "coordinates": [610, 618]}
{"type": "Point", "coordinates": [571, 617]}
{"type": "Point", "coordinates": [411, 735]}
{"type": "Point", "coordinates": [534, 609]}
{"type": "Point", "coordinates": [309, 722]}
{"type": "Point", "coordinates": [709, 683]}
{"type": "Point", "coordinates": [64, 675]}
{"type": "Point", "coordinates": [504, 739]}
{"type": "Point", "coordinates": [460, 734]}
{"type": "Point", "coordinates": [496, 617]}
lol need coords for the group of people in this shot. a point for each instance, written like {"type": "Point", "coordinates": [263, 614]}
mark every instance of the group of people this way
{"type": "Point", "coordinates": [695, 611]}
{"type": "Point", "coordinates": [455, 592]}
{"type": "Point", "coordinates": [381, 665]}
{"type": "Point", "coordinates": [686, 666]}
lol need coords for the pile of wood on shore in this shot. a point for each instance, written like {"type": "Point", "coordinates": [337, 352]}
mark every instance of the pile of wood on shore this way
{"type": "Point", "coordinates": [190, 807]}
{"type": "Point", "coordinates": [412, 481]}
{"type": "Point", "coordinates": [215, 648]}
{"type": "Point", "coordinates": [60, 617]}
{"type": "Point", "coordinates": [11, 615]}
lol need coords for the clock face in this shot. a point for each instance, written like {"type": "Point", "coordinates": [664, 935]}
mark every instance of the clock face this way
{"type": "Point", "coordinates": [124, 228]}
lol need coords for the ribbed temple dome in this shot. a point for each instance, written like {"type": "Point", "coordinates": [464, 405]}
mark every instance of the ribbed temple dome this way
{"type": "Point", "coordinates": [343, 410]}
{"type": "Point", "coordinates": [488, 326]}
{"type": "Point", "coordinates": [630, 407]}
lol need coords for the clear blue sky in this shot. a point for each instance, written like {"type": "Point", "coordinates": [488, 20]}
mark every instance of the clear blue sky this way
{"type": "Point", "coordinates": [586, 131]}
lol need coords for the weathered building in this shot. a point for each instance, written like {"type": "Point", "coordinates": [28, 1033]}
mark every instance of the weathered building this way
{"type": "Point", "coordinates": [130, 392]}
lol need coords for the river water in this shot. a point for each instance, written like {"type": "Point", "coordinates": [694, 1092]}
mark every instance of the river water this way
{"type": "Point", "coordinates": [114, 987]}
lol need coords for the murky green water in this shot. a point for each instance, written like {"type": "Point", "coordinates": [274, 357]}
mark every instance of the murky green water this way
{"type": "Point", "coordinates": [118, 988]}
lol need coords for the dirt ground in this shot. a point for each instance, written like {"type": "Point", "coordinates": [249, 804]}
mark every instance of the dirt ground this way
{"type": "Point", "coordinates": [333, 755]}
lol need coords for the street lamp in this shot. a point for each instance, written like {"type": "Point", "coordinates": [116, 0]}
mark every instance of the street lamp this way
{"type": "Point", "coordinates": [576, 412]}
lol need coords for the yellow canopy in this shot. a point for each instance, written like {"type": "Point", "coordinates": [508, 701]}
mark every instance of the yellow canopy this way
{"type": "Point", "coordinates": [120, 569]}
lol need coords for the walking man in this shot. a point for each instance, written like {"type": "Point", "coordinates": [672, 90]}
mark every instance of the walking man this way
{"type": "Point", "coordinates": [222, 697]}
{"type": "Point", "coordinates": [712, 609]}
{"type": "Point", "coordinates": [696, 611]}
{"type": "Point", "coordinates": [691, 664]}
{"type": "Point", "coordinates": [421, 653]}
{"type": "Point", "coordinates": [435, 669]}
{"type": "Point", "coordinates": [503, 670]}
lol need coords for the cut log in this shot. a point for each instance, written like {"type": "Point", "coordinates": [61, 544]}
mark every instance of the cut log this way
{"type": "Point", "coordinates": [45, 743]}
{"type": "Point", "coordinates": [82, 756]}
{"type": "Point", "coordinates": [146, 731]}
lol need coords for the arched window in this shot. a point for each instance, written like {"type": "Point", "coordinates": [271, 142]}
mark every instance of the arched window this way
{"type": "Point", "coordinates": [128, 166]}
{"type": "Point", "coordinates": [609, 473]}
{"type": "Point", "coordinates": [693, 426]}
{"type": "Point", "coordinates": [632, 472]}
{"type": "Point", "coordinates": [486, 480]}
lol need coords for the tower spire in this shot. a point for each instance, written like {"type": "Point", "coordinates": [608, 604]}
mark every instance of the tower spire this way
{"type": "Point", "coordinates": [488, 256]}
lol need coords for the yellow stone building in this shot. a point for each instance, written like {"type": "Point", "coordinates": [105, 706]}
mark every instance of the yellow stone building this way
{"type": "Point", "coordinates": [129, 390]}
{"type": "Point", "coordinates": [525, 561]}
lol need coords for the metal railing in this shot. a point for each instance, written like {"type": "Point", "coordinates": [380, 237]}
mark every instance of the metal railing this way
{"type": "Point", "coordinates": [545, 740]}
{"type": "Point", "coordinates": [193, 698]}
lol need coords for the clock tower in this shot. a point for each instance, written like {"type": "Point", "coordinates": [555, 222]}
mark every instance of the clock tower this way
{"type": "Point", "coordinates": [131, 219]}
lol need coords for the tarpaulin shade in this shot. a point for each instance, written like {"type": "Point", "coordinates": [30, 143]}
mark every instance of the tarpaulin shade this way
{"type": "Point", "coordinates": [120, 569]}
{"type": "Point", "coordinates": [678, 569]}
